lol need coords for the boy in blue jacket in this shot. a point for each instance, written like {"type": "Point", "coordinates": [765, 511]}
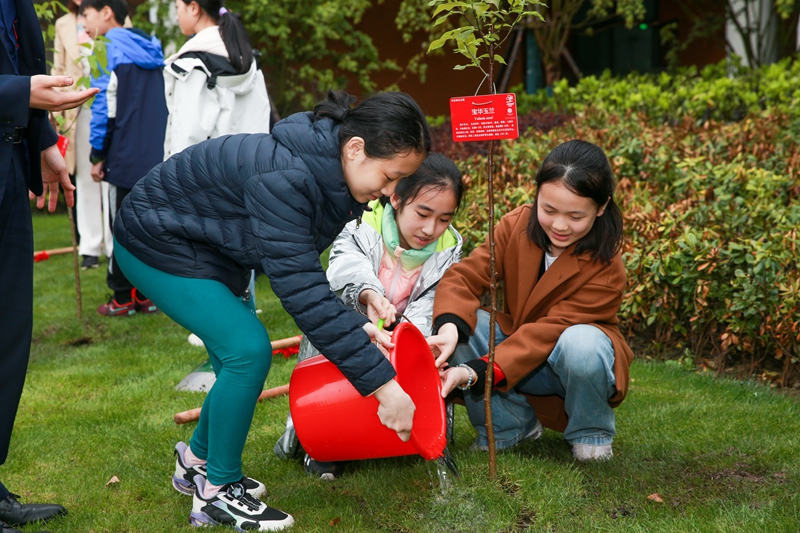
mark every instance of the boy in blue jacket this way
{"type": "Point", "coordinates": [129, 119]}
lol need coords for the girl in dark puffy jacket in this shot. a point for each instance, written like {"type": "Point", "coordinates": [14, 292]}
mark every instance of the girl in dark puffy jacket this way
{"type": "Point", "coordinates": [192, 229]}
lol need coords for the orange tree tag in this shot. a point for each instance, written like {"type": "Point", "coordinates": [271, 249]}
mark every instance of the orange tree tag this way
{"type": "Point", "coordinates": [484, 118]}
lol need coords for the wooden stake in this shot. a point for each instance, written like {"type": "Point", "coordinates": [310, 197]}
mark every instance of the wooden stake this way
{"type": "Point", "coordinates": [78, 296]}
{"type": "Point", "coordinates": [55, 251]}
{"type": "Point", "coordinates": [193, 415]}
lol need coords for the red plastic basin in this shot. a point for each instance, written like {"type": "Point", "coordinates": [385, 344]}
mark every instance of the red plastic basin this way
{"type": "Point", "coordinates": [335, 423]}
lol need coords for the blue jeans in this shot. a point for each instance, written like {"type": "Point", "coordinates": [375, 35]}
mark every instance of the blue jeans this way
{"type": "Point", "coordinates": [580, 369]}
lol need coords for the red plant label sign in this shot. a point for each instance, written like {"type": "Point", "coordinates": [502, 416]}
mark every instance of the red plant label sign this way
{"type": "Point", "coordinates": [484, 118]}
{"type": "Point", "coordinates": [62, 143]}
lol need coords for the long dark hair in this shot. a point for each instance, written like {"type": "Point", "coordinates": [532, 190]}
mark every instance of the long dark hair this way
{"type": "Point", "coordinates": [390, 123]}
{"type": "Point", "coordinates": [583, 169]}
{"type": "Point", "coordinates": [438, 172]}
{"type": "Point", "coordinates": [240, 49]}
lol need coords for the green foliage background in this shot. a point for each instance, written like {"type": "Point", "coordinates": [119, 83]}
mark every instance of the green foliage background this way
{"type": "Point", "coordinates": [711, 206]}
{"type": "Point", "coordinates": [308, 48]}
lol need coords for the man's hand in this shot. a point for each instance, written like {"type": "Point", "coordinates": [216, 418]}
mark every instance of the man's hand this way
{"type": "Point", "coordinates": [97, 172]}
{"type": "Point", "coordinates": [45, 96]}
{"type": "Point", "coordinates": [54, 171]}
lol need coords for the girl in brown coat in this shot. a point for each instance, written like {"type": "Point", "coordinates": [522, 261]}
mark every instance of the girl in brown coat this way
{"type": "Point", "coordinates": [557, 336]}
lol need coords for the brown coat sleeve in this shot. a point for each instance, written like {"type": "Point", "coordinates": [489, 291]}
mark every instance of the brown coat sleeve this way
{"type": "Point", "coordinates": [460, 289]}
{"type": "Point", "coordinates": [596, 302]}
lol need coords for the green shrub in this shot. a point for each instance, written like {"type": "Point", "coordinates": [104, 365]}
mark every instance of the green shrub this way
{"type": "Point", "coordinates": [711, 222]}
{"type": "Point", "coordinates": [724, 91]}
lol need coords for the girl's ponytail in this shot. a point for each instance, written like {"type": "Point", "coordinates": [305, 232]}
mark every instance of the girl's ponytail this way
{"type": "Point", "coordinates": [335, 107]}
{"type": "Point", "coordinates": [390, 123]}
{"type": "Point", "coordinates": [240, 49]}
{"type": "Point", "coordinates": [232, 32]}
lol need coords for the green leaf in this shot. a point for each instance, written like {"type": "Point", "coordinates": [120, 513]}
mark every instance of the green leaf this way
{"type": "Point", "coordinates": [449, 6]}
{"type": "Point", "coordinates": [438, 43]}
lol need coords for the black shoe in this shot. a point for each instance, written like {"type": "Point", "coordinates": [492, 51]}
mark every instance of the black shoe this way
{"type": "Point", "coordinates": [19, 514]}
{"type": "Point", "coordinates": [5, 528]}
{"type": "Point", "coordinates": [89, 261]}
{"type": "Point", "coordinates": [328, 471]}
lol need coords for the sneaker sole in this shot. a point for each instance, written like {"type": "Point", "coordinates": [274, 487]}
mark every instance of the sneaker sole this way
{"type": "Point", "coordinates": [201, 519]}
{"type": "Point", "coordinates": [129, 312]}
{"type": "Point", "coordinates": [183, 486]}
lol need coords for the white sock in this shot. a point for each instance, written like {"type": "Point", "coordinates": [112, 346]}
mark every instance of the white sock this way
{"type": "Point", "coordinates": [190, 459]}
{"type": "Point", "coordinates": [210, 490]}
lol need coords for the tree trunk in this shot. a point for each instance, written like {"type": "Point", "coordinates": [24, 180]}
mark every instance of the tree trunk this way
{"type": "Point", "coordinates": [489, 386]}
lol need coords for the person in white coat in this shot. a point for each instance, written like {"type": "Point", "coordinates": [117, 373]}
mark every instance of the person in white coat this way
{"type": "Point", "coordinates": [213, 85]}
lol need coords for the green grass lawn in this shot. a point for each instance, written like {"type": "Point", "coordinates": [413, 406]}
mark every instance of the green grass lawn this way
{"type": "Point", "coordinates": [99, 400]}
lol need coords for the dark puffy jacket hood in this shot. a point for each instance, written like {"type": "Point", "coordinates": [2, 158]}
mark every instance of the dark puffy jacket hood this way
{"type": "Point", "coordinates": [272, 201]}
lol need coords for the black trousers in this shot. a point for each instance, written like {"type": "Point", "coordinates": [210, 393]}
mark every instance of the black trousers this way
{"type": "Point", "coordinates": [115, 279]}
{"type": "Point", "coordinates": [16, 292]}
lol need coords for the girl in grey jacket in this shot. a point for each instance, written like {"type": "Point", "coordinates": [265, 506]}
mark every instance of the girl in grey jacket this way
{"type": "Point", "coordinates": [387, 265]}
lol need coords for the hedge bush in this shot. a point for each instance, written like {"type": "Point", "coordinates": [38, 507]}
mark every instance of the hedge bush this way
{"type": "Point", "coordinates": [711, 221]}
{"type": "Point", "coordinates": [724, 91]}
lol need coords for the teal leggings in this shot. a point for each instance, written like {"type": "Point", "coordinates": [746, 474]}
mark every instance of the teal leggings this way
{"type": "Point", "coordinates": [239, 349]}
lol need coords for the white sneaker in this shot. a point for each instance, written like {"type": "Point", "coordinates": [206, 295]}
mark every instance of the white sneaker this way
{"type": "Point", "coordinates": [183, 478]}
{"type": "Point", "coordinates": [591, 452]}
{"type": "Point", "coordinates": [232, 506]}
{"type": "Point", "coordinates": [535, 433]}
{"type": "Point", "coordinates": [194, 340]}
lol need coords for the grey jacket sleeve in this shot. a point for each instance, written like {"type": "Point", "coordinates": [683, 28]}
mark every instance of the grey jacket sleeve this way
{"type": "Point", "coordinates": [354, 262]}
{"type": "Point", "coordinates": [420, 312]}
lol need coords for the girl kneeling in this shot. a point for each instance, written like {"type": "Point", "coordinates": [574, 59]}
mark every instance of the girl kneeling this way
{"type": "Point", "coordinates": [557, 336]}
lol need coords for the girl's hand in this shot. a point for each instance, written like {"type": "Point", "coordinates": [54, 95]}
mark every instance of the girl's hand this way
{"type": "Point", "coordinates": [379, 337]}
{"type": "Point", "coordinates": [452, 378]}
{"type": "Point", "coordinates": [396, 410]}
{"type": "Point", "coordinates": [378, 307]}
{"type": "Point", "coordinates": [443, 344]}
